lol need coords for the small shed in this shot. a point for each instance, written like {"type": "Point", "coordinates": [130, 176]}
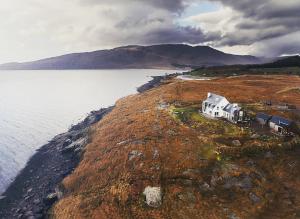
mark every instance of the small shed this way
{"type": "Point", "coordinates": [281, 125]}
{"type": "Point", "coordinates": [263, 118]}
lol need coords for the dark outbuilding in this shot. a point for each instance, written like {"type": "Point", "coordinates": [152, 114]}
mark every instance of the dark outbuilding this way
{"type": "Point", "coordinates": [263, 118]}
{"type": "Point", "coordinates": [281, 125]}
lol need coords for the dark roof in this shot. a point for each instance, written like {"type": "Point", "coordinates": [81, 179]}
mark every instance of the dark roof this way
{"type": "Point", "coordinates": [280, 121]}
{"type": "Point", "coordinates": [231, 108]}
{"type": "Point", "coordinates": [263, 116]}
{"type": "Point", "coordinates": [227, 108]}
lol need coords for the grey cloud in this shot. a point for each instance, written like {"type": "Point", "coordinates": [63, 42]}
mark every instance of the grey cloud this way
{"type": "Point", "coordinates": [176, 34]}
{"type": "Point", "coordinates": [133, 22]}
{"type": "Point", "coordinates": [262, 21]}
{"type": "Point", "coordinates": [169, 5]}
{"type": "Point", "coordinates": [288, 44]}
{"type": "Point", "coordinates": [249, 36]}
{"type": "Point", "coordinates": [260, 24]}
{"type": "Point", "coordinates": [148, 24]}
{"type": "Point", "coordinates": [147, 21]}
{"type": "Point", "coordinates": [262, 14]}
{"type": "Point", "coordinates": [161, 34]}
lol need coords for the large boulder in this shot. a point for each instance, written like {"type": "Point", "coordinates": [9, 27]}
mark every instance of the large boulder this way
{"type": "Point", "coordinates": [134, 154]}
{"type": "Point", "coordinates": [254, 198]}
{"type": "Point", "coordinates": [51, 198]}
{"type": "Point", "coordinates": [236, 143]}
{"type": "Point", "coordinates": [153, 196]}
{"type": "Point", "coordinates": [75, 146]}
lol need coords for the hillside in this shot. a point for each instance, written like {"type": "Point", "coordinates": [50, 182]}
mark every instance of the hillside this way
{"type": "Point", "coordinates": [292, 61]}
{"type": "Point", "coordinates": [285, 65]}
{"type": "Point", "coordinates": [157, 56]}
{"type": "Point", "coordinates": [161, 145]}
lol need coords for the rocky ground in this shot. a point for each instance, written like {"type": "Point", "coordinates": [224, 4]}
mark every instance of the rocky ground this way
{"type": "Point", "coordinates": [36, 188]}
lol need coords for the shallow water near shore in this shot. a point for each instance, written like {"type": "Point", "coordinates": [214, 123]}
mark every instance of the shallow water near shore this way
{"type": "Point", "coordinates": [37, 105]}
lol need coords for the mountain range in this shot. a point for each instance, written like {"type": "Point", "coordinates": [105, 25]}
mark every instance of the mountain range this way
{"type": "Point", "coordinates": [166, 56]}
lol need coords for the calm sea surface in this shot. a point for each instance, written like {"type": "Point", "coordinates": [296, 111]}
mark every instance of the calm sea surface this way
{"type": "Point", "coordinates": [37, 105]}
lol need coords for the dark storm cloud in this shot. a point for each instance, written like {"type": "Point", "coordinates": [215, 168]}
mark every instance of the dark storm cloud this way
{"type": "Point", "coordinates": [149, 22]}
{"type": "Point", "coordinates": [170, 5]}
{"type": "Point", "coordinates": [163, 32]}
{"type": "Point", "coordinates": [265, 9]}
{"type": "Point", "coordinates": [177, 34]}
{"type": "Point", "coordinates": [160, 28]}
{"type": "Point", "coordinates": [263, 19]}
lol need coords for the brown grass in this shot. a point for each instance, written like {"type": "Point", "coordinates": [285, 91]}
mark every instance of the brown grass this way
{"type": "Point", "coordinates": [106, 184]}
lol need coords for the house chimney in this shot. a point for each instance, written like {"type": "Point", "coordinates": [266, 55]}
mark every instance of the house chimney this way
{"type": "Point", "coordinates": [208, 94]}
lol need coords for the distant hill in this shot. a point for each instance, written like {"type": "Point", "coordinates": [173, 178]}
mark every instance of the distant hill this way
{"type": "Point", "coordinates": [156, 56]}
{"type": "Point", "coordinates": [283, 65]}
{"type": "Point", "coordinates": [291, 61]}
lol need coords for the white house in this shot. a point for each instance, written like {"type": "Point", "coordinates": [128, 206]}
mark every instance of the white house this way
{"type": "Point", "coordinates": [219, 107]}
{"type": "Point", "coordinates": [214, 105]}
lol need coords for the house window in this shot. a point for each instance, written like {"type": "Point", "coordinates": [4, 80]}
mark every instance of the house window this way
{"type": "Point", "coordinates": [216, 113]}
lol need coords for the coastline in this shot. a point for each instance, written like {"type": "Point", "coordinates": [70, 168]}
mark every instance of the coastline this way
{"type": "Point", "coordinates": [37, 186]}
{"type": "Point", "coordinates": [156, 81]}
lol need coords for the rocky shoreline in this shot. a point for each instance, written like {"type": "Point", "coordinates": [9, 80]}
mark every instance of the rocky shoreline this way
{"type": "Point", "coordinates": [156, 81]}
{"type": "Point", "coordinates": [37, 187]}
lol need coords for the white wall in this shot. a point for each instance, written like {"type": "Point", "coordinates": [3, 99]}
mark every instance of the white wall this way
{"type": "Point", "coordinates": [218, 108]}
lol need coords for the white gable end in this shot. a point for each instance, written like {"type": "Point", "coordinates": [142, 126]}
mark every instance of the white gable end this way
{"type": "Point", "coordinates": [214, 105]}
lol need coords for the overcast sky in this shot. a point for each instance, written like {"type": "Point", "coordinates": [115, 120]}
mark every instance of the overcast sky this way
{"type": "Point", "coordinates": [33, 29]}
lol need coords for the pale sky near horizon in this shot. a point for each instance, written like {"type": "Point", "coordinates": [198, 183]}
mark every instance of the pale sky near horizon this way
{"type": "Point", "coordinates": [34, 29]}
